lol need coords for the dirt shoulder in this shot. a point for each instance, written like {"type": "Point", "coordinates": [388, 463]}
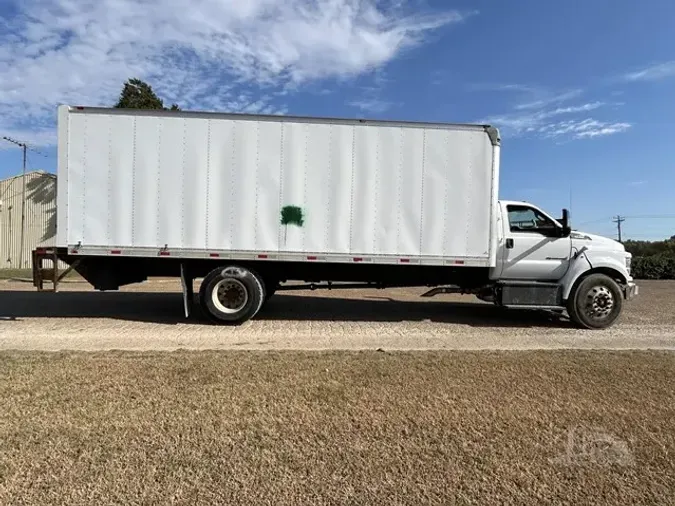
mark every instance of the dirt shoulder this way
{"type": "Point", "coordinates": [149, 316]}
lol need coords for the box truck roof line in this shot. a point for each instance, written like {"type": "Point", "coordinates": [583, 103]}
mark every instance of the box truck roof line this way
{"type": "Point", "coordinates": [492, 131]}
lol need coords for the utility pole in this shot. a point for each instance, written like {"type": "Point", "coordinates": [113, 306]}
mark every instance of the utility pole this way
{"type": "Point", "coordinates": [24, 148]}
{"type": "Point", "coordinates": [618, 219]}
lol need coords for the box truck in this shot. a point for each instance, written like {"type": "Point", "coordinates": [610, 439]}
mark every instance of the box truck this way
{"type": "Point", "coordinates": [254, 204]}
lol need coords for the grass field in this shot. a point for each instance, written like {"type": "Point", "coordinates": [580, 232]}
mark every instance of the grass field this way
{"type": "Point", "coordinates": [28, 274]}
{"type": "Point", "coordinates": [16, 274]}
{"type": "Point", "coordinates": [337, 428]}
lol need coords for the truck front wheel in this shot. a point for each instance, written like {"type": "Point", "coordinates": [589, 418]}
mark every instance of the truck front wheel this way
{"type": "Point", "coordinates": [231, 295]}
{"type": "Point", "coordinates": [596, 302]}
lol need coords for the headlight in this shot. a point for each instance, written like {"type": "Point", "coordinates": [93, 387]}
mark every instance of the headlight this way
{"type": "Point", "coordinates": [628, 261]}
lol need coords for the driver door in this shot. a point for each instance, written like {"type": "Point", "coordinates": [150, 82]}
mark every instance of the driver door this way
{"type": "Point", "coordinates": [532, 247]}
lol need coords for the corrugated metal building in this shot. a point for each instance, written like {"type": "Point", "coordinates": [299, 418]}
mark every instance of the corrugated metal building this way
{"type": "Point", "coordinates": [40, 218]}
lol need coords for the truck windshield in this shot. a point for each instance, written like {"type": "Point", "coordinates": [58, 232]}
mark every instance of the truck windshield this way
{"type": "Point", "coordinates": [526, 219]}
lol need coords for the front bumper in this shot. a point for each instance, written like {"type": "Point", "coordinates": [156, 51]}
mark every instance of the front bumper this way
{"type": "Point", "coordinates": [630, 291]}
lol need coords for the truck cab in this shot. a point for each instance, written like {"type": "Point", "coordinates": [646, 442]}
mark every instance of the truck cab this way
{"type": "Point", "coordinates": [542, 262]}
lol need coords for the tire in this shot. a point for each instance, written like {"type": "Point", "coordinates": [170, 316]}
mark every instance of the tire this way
{"type": "Point", "coordinates": [231, 294]}
{"type": "Point", "coordinates": [596, 302]}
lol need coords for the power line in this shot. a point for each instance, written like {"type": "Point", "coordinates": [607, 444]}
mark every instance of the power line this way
{"type": "Point", "coordinates": [652, 217]}
{"type": "Point", "coordinates": [600, 220]}
{"type": "Point", "coordinates": [28, 147]}
{"type": "Point", "coordinates": [610, 219]}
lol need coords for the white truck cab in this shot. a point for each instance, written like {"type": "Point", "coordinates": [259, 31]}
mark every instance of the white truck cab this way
{"type": "Point", "coordinates": [542, 262]}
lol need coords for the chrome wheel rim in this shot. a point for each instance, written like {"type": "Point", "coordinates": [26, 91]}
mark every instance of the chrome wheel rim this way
{"type": "Point", "coordinates": [599, 303]}
{"type": "Point", "coordinates": [229, 296]}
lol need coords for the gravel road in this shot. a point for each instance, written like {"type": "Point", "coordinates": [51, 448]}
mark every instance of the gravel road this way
{"type": "Point", "coordinates": [149, 316]}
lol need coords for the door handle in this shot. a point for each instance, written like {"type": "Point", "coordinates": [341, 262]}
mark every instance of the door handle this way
{"type": "Point", "coordinates": [509, 243]}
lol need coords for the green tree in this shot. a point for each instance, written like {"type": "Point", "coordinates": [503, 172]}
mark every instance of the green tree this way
{"type": "Point", "coordinates": [653, 259]}
{"type": "Point", "coordinates": [138, 94]}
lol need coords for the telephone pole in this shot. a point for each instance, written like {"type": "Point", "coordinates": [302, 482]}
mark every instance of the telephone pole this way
{"type": "Point", "coordinates": [619, 220]}
{"type": "Point", "coordinates": [24, 148]}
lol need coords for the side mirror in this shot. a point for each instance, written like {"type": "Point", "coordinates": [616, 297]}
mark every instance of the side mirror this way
{"type": "Point", "coordinates": [565, 222]}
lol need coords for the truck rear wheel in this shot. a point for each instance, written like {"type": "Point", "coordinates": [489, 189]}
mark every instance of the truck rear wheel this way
{"type": "Point", "coordinates": [231, 294]}
{"type": "Point", "coordinates": [596, 302]}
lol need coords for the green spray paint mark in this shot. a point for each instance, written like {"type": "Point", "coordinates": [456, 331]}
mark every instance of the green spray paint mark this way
{"type": "Point", "coordinates": [292, 215]}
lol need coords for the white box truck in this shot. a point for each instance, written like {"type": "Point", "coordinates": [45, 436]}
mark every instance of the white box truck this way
{"type": "Point", "coordinates": [249, 203]}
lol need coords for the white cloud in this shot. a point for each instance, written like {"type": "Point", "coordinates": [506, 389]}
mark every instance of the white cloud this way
{"type": "Point", "coordinates": [542, 122]}
{"type": "Point", "coordinates": [583, 129]}
{"type": "Point", "coordinates": [539, 120]}
{"type": "Point", "coordinates": [514, 87]}
{"type": "Point", "coordinates": [533, 97]}
{"type": "Point", "coordinates": [544, 99]}
{"type": "Point", "coordinates": [653, 72]}
{"type": "Point", "coordinates": [602, 129]}
{"type": "Point", "coordinates": [538, 114]}
{"type": "Point", "coordinates": [371, 105]}
{"type": "Point", "coordinates": [370, 100]}
{"type": "Point", "coordinates": [575, 108]}
{"type": "Point", "coordinates": [206, 54]}
{"type": "Point", "coordinates": [553, 114]}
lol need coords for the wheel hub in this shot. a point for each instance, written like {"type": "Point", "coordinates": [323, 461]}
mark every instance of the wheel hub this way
{"type": "Point", "coordinates": [230, 296]}
{"type": "Point", "coordinates": [599, 302]}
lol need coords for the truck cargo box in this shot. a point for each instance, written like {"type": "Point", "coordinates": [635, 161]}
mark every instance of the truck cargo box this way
{"type": "Point", "coordinates": [191, 184]}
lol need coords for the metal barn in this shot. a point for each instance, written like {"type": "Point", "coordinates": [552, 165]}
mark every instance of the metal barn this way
{"type": "Point", "coordinates": [23, 227]}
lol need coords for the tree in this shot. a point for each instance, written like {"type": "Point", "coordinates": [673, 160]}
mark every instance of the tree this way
{"type": "Point", "coordinates": [653, 259]}
{"type": "Point", "coordinates": [137, 94]}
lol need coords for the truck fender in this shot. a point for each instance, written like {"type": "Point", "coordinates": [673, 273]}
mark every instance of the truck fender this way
{"type": "Point", "coordinates": [585, 262]}
{"type": "Point", "coordinates": [578, 266]}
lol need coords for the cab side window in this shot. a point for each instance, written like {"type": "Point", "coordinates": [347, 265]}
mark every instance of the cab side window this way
{"type": "Point", "coordinates": [526, 219]}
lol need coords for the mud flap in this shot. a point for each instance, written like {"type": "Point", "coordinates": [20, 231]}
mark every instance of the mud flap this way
{"type": "Point", "coordinates": [188, 289]}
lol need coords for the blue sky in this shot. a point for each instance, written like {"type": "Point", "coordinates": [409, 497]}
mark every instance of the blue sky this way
{"type": "Point", "coordinates": [584, 92]}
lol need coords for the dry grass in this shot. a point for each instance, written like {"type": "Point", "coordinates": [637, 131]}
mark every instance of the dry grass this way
{"type": "Point", "coordinates": [27, 274]}
{"type": "Point", "coordinates": [16, 274]}
{"type": "Point", "coordinates": [337, 428]}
